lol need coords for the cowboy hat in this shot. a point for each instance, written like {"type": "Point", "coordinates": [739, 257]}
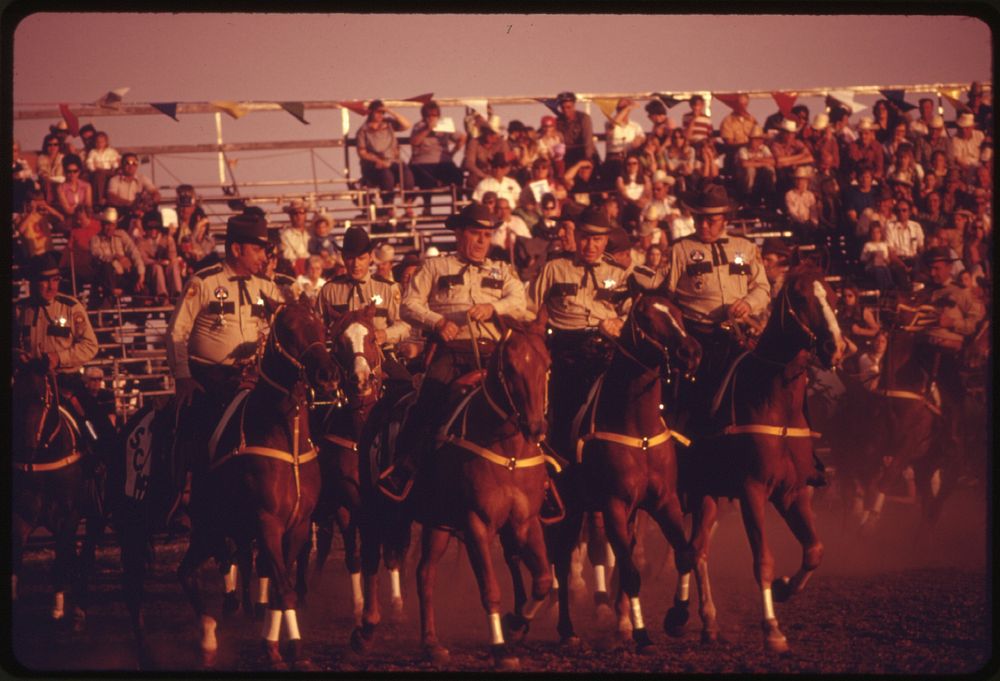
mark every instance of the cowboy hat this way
{"type": "Point", "coordinates": [356, 242]}
{"type": "Point", "coordinates": [712, 201]}
{"type": "Point", "coordinates": [474, 215]}
{"type": "Point", "coordinates": [43, 266]}
{"type": "Point", "coordinates": [594, 223]}
{"type": "Point", "coordinates": [247, 229]}
{"type": "Point", "coordinates": [109, 214]}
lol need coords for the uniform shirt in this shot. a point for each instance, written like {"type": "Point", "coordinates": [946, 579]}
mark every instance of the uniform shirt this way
{"type": "Point", "coordinates": [107, 248]}
{"type": "Point", "coordinates": [343, 294]}
{"type": "Point", "coordinates": [579, 296]}
{"type": "Point", "coordinates": [61, 327]}
{"type": "Point", "coordinates": [962, 308]}
{"type": "Point", "coordinates": [213, 323]}
{"type": "Point", "coordinates": [706, 279]}
{"type": "Point", "coordinates": [446, 286]}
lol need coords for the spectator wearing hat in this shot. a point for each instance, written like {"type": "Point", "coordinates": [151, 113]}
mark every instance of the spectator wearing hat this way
{"type": "Point", "coordinates": [383, 257]}
{"type": "Point", "coordinates": [433, 151]}
{"type": "Point", "coordinates": [74, 191]}
{"type": "Point", "coordinates": [479, 155]}
{"type": "Point", "coordinates": [755, 173]}
{"type": "Point", "coordinates": [904, 166]}
{"type": "Point", "coordinates": [981, 111]}
{"type": "Point", "coordinates": [801, 205]}
{"type": "Point", "coordinates": [867, 150]}
{"type": "Point", "coordinates": [129, 187]}
{"type": "Point", "coordinates": [965, 147]}
{"type": "Point", "coordinates": [824, 145]}
{"type": "Point", "coordinates": [446, 297]}
{"type": "Point", "coordinates": [102, 162]}
{"type": "Point", "coordinates": [622, 136]}
{"type": "Point", "coordinates": [662, 204]}
{"type": "Point", "coordinates": [213, 332]}
{"type": "Point", "coordinates": [295, 237]}
{"type": "Point", "coordinates": [378, 150]}
{"type": "Point", "coordinates": [498, 181]}
{"type": "Point", "coordinates": [714, 278]}
{"type": "Point", "coordinates": [118, 264]}
{"type": "Point", "coordinates": [577, 130]}
{"type": "Point", "coordinates": [902, 186]}
{"type": "Point", "coordinates": [935, 140]}
{"type": "Point", "coordinates": [159, 254]}
{"type": "Point", "coordinates": [789, 152]}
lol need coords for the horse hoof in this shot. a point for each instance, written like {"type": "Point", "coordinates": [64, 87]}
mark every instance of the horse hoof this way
{"type": "Point", "coordinates": [272, 656]}
{"type": "Point", "coordinates": [362, 637]}
{"type": "Point", "coordinates": [570, 642]}
{"type": "Point", "coordinates": [774, 640]}
{"type": "Point", "coordinates": [515, 627]}
{"type": "Point", "coordinates": [643, 644]}
{"type": "Point", "coordinates": [396, 615]}
{"type": "Point", "coordinates": [676, 619]}
{"type": "Point", "coordinates": [436, 654]}
{"type": "Point", "coordinates": [507, 663]}
{"type": "Point", "coordinates": [709, 637]}
{"type": "Point", "coordinates": [230, 603]}
{"type": "Point", "coordinates": [295, 657]}
{"type": "Point", "coordinates": [781, 589]}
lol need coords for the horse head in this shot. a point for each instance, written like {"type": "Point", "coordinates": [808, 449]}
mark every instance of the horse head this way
{"type": "Point", "coordinates": [357, 353]}
{"type": "Point", "coordinates": [517, 382]}
{"type": "Point", "coordinates": [805, 310]}
{"type": "Point", "coordinates": [297, 337]}
{"type": "Point", "coordinates": [657, 323]}
{"type": "Point", "coordinates": [34, 402]}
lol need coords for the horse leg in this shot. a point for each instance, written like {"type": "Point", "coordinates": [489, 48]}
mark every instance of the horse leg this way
{"type": "Point", "coordinates": [515, 625]}
{"type": "Point", "coordinates": [703, 527]}
{"type": "Point", "coordinates": [295, 542]}
{"type": "Point", "coordinates": [478, 539]}
{"type": "Point", "coordinates": [19, 538]}
{"type": "Point", "coordinates": [752, 509]}
{"type": "Point", "coordinates": [433, 543]}
{"type": "Point", "coordinates": [564, 540]}
{"type": "Point", "coordinates": [229, 569]}
{"type": "Point", "coordinates": [282, 596]}
{"type": "Point", "coordinates": [199, 550]}
{"type": "Point", "coordinates": [348, 526]}
{"type": "Point", "coordinates": [66, 563]}
{"type": "Point", "coordinates": [597, 553]}
{"type": "Point", "coordinates": [619, 534]}
{"type": "Point", "coordinates": [670, 519]}
{"type": "Point", "coordinates": [801, 521]}
{"type": "Point", "coordinates": [395, 556]}
{"type": "Point", "coordinates": [302, 568]}
{"type": "Point", "coordinates": [371, 549]}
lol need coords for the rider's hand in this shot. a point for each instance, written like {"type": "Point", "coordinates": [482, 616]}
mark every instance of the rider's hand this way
{"type": "Point", "coordinates": [612, 328]}
{"type": "Point", "coordinates": [380, 336]}
{"type": "Point", "coordinates": [185, 390]}
{"type": "Point", "coordinates": [739, 309]}
{"type": "Point", "coordinates": [481, 312]}
{"type": "Point", "coordinates": [446, 329]}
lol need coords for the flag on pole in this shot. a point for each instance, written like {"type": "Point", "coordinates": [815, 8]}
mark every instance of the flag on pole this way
{"type": "Point", "coordinates": [168, 108]}
{"type": "Point", "coordinates": [896, 97]}
{"type": "Point", "coordinates": [478, 105]}
{"type": "Point", "coordinates": [669, 100]}
{"type": "Point", "coordinates": [113, 98]}
{"type": "Point", "coordinates": [71, 121]}
{"type": "Point", "coordinates": [297, 109]}
{"type": "Point", "coordinates": [607, 105]}
{"type": "Point", "coordinates": [550, 103]}
{"type": "Point", "coordinates": [234, 109]}
{"type": "Point", "coordinates": [846, 98]}
{"type": "Point", "coordinates": [952, 95]}
{"type": "Point", "coordinates": [423, 99]}
{"type": "Point", "coordinates": [355, 105]}
{"type": "Point", "coordinates": [785, 102]}
{"type": "Point", "coordinates": [730, 99]}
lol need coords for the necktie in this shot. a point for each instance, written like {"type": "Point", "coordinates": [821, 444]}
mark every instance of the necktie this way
{"type": "Point", "coordinates": [244, 293]}
{"type": "Point", "coordinates": [588, 270]}
{"type": "Point", "coordinates": [356, 291]}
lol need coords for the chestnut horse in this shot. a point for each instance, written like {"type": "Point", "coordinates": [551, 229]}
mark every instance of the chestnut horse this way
{"type": "Point", "coordinates": [626, 459]}
{"type": "Point", "coordinates": [48, 482]}
{"type": "Point", "coordinates": [263, 479]}
{"type": "Point", "coordinates": [763, 451]}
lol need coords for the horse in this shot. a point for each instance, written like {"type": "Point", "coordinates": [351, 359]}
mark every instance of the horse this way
{"type": "Point", "coordinates": [48, 483]}
{"type": "Point", "coordinates": [359, 357]}
{"type": "Point", "coordinates": [762, 451]}
{"type": "Point", "coordinates": [262, 481]}
{"type": "Point", "coordinates": [625, 455]}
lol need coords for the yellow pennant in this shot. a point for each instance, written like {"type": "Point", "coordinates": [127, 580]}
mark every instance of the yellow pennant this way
{"type": "Point", "coordinates": [234, 109]}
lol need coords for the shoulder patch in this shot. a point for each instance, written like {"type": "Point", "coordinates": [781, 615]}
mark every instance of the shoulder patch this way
{"type": "Point", "coordinates": [645, 271]}
{"type": "Point", "coordinates": [283, 279]}
{"type": "Point", "coordinates": [67, 300]}
{"type": "Point", "coordinates": [208, 271]}
{"type": "Point", "coordinates": [379, 277]}
{"type": "Point", "coordinates": [616, 264]}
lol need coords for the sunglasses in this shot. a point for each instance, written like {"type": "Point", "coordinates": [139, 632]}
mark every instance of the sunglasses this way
{"type": "Point", "coordinates": [72, 170]}
{"type": "Point", "coordinates": [131, 163]}
{"type": "Point", "coordinates": [52, 144]}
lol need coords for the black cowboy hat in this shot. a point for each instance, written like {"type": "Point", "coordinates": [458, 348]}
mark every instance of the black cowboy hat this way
{"type": "Point", "coordinates": [714, 200]}
{"type": "Point", "coordinates": [152, 220]}
{"type": "Point", "coordinates": [593, 222]}
{"type": "Point", "coordinates": [43, 266]}
{"type": "Point", "coordinates": [618, 241]}
{"type": "Point", "coordinates": [775, 246]}
{"type": "Point", "coordinates": [247, 229]}
{"type": "Point", "coordinates": [566, 96]}
{"type": "Point", "coordinates": [474, 215]}
{"type": "Point", "coordinates": [356, 242]}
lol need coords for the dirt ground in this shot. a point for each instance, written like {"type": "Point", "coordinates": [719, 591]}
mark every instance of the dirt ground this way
{"type": "Point", "coordinates": [901, 601]}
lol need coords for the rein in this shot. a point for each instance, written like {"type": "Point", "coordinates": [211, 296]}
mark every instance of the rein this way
{"type": "Point", "coordinates": [61, 415]}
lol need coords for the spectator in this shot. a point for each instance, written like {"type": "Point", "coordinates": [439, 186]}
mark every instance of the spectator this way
{"type": "Point", "coordinates": [981, 111]}
{"type": "Point", "coordinates": [634, 191]}
{"type": "Point", "coordinates": [34, 226]}
{"type": "Point", "coordinates": [159, 254]}
{"type": "Point", "coordinates": [548, 223]}
{"type": "Point", "coordinates": [875, 257]}
{"type": "Point", "coordinates": [932, 218]}
{"type": "Point", "coordinates": [129, 187]}
{"type": "Point", "coordinates": [662, 204]}
{"type": "Point", "coordinates": [921, 127]}
{"type": "Point", "coordinates": [651, 155]}
{"type": "Point", "coordinates": [801, 206]}
{"type": "Point", "coordinates": [577, 130]}
{"type": "Point", "coordinates": [61, 131]}
{"type": "Point", "coordinates": [74, 191]}
{"type": "Point", "coordinates": [322, 244]}
{"type": "Point", "coordinates": [102, 162]}
{"type": "Point", "coordinates": [190, 214]}
{"type": "Point", "coordinates": [867, 150]}
{"type": "Point", "coordinates": [432, 160]}
{"type": "Point", "coordinates": [936, 140]}
{"type": "Point", "coordinates": [824, 146]}
{"type": "Point", "coordinates": [522, 151]}
{"type": "Point", "coordinates": [656, 110]}
{"type": "Point", "coordinates": [311, 281]}
{"type": "Point", "coordinates": [382, 257]}
{"type": "Point", "coordinates": [904, 236]}
{"type": "Point", "coordinates": [378, 150]}
{"type": "Point", "coordinates": [870, 361]}
{"type": "Point", "coordinates": [23, 178]}
{"type": "Point", "coordinates": [552, 145]}
{"type": "Point", "coordinates": [505, 187]}
{"type": "Point", "coordinates": [696, 123]}
{"type": "Point", "coordinates": [295, 237]}
{"type": "Point", "coordinates": [884, 119]}
{"type": "Point", "coordinates": [479, 155]}
{"type": "Point", "coordinates": [964, 149]}
{"type": "Point", "coordinates": [681, 224]}
{"type": "Point", "coordinates": [857, 322]}
{"type": "Point", "coordinates": [789, 152]}
{"type": "Point", "coordinates": [755, 172]}
{"type": "Point", "coordinates": [736, 127]}
{"type": "Point", "coordinates": [118, 265]}
{"type": "Point", "coordinates": [76, 258]}
{"type": "Point", "coordinates": [622, 136]}
{"type": "Point", "coordinates": [680, 157]}
{"type": "Point", "coordinates": [905, 166]}
{"type": "Point", "coordinates": [975, 250]}
{"type": "Point", "coordinates": [50, 167]}
{"type": "Point", "coordinates": [542, 182]}
{"type": "Point", "coordinates": [509, 228]}
{"type": "Point", "coordinates": [898, 138]}
{"type": "Point", "coordinates": [774, 255]}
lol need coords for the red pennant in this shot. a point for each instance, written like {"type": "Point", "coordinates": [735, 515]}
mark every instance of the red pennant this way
{"type": "Point", "coordinates": [727, 98]}
{"type": "Point", "coordinates": [355, 105]}
{"type": "Point", "coordinates": [785, 101]}
{"type": "Point", "coordinates": [423, 99]}
{"type": "Point", "coordinates": [71, 120]}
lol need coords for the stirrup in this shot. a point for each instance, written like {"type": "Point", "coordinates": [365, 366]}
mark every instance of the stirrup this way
{"type": "Point", "coordinates": [384, 480]}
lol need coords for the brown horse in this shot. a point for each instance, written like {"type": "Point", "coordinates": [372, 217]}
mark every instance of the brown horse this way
{"type": "Point", "coordinates": [626, 459]}
{"type": "Point", "coordinates": [48, 482]}
{"type": "Point", "coordinates": [263, 480]}
{"type": "Point", "coordinates": [763, 450]}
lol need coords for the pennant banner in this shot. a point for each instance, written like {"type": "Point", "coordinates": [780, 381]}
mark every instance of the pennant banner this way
{"type": "Point", "coordinates": [896, 98]}
{"type": "Point", "coordinates": [297, 109]}
{"type": "Point", "coordinates": [168, 108]}
{"type": "Point", "coordinates": [234, 109]}
{"type": "Point", "coordinates": [71, 121]}
{"type": "Point", "coordinates": [669, 100]}
{"type": "Point", "coordinates": [785, 102]}
{"type": "Point", "coordinates": [423, 99]}
{"type": "Point", "coordinates": [952, 95]}
{"type": "Point", "coordinates": [478, 106]}
{"type": "Point", "coordinates": [846, 98]}
{"type": "Point", "coordinates": [356, 105]}
{"type": "Point", "coordinates": [113, 98]}
{"type": "Point", "coordinates": [730, 99]}
{"type": "Point", "coordinates": [549, 103]}
{"type": "Point", "coordinates": [607, 106]}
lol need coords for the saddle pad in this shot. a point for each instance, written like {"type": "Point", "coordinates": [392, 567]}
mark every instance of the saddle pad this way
{"type": "Point", "coordinates": [213, 442]}
{"type": "Point", "coordinates": [139, 455]}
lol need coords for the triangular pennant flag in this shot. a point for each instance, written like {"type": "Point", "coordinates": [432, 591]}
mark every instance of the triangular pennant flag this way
{"type": "Point", "coordinates": [549, 102]}
{"type": "Point", "coordinates": [607, 106]}
{"type": "Point", "coordinates": [355, 105]}
{"type": "Point", "coordinates": [169, 108]}
{"type": "Point", "coordinates": [71, 121]}
{"type": "Point", "coordinates": [846, 98]}
{"type": "Point", "coordinates": [234, 109]}
{"type": "Point", "coordinates": [297, 109]}
{"type": "Point", "coordinates": [952, 95]}
{"type": "Point", "coordinates": [477, 105]}
{"type": "Point", "coordinates": [785, 102]}
{"type": "Point", "coordinates": [423, 99]}
{"type": "Point", "coordinates": [728, 98]}
{"type": "Point", "coordinates": [113, 98]}
{"type": "Point", "coordinates": [896, 98]}
{"type": "Point", "coordinates": [669, 100]}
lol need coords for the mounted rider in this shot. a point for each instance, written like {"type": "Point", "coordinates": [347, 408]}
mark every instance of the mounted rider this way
{"type": "Point", "coordinates": [454, 298]}
{"type": "Point", "coordinates": [717, 280]}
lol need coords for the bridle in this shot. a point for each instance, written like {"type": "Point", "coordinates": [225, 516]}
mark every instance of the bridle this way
{"type": "Point", "coordinates": [639, 335]}
{"type": "Point", "coordinates": [376, 369]}
{"type": "Point", "coordinates": [514, 414]}
{"type": "Point", "coordinates": [278, 350]}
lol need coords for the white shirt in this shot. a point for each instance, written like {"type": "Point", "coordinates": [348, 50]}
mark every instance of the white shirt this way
{"type": "Point", "coordinates": [904, 239]}
{"type": "Point", "coordinates": [507, 188]}
{"type": "Point", "coordinates": [294, 243]}
{"type": "Point", "coordinates": [621, 137]}
{"type": "Point", "coordinates": [515, 226]}
{"type": "Point", "coordinates": [681, 227]}
{"type": "Point", "coordinates": [105, 159]}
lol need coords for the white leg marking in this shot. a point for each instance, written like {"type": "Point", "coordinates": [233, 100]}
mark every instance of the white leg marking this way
{"type": "Point", "coordinates": [292, 625]}
{"type": "Point", "coordinates": [600, 584]}
{"type": "Point", "coordinates": [637, 622]}
{"type": "Point", "coordinates": [262, 584]}
{"type": "Point", "coordinates": [230, 579]}
{"type": "Point", "coordinates": [272, 625]}
{"type": "Point", "coordinates": [935, 484]}
{"type": "Point", "coordinates": [208, 640]}
{"type": "Point", "coordinates": [58, 605]}
{"type": "Point", "coordinates": [532, 609]}
{"type": "Point", "coordinates": [555, 580]}
{"type": "Point", "coordinates": [684, 587]}
{"type": "Point", "coordinates": [356, 593]}
{"type": "Point", "coordinates": [394, 584]}
{"type": "Point", "coordinates": [496, 631]}
{"type": "Point", "coordinates": [610, 553]}
{"type": "Point", "coordinates": [768, 604]}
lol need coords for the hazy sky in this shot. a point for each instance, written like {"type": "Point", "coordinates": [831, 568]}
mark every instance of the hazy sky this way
{"type": "Point", "coordinates": [275, 57]}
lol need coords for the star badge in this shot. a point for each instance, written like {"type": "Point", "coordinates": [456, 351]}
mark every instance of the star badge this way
{"type": "Point", "coordinates": [377, 299]}
{"type": "Point", "coordinates": [609, 283]}
{"type": "Point", "coordinates": [738, 259]}
{"type": "Point", "coordinates": [697, 256]}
